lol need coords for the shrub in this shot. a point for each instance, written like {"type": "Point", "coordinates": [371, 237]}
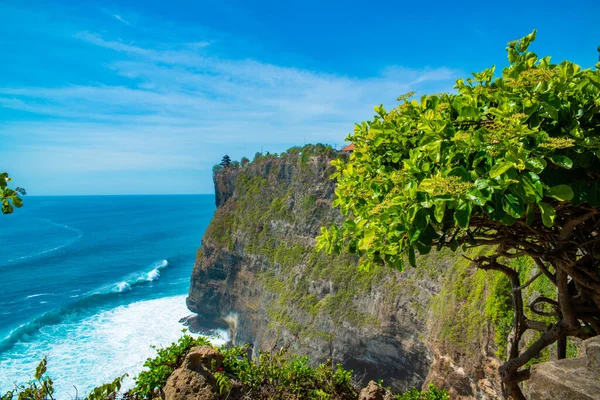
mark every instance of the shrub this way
{"type": "Point", "coordinates": [159, 368]}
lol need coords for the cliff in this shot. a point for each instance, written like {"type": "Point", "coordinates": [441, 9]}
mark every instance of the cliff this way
{"type": "Point", "coordinates": [257, 270]}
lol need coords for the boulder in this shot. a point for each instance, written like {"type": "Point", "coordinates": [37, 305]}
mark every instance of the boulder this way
{"type": "Point", "coordinates": [573, 378]}
{"type": "Point", "coordinates": [194, 380]}
{"type": "Point", "coordinates": [374, 392]}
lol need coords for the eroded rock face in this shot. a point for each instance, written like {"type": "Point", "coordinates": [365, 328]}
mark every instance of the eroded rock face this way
{"type": "Point", "coordinates": [194, 380]}
{"type": "Point", "coordinates": [573, 379]}
{"type": "Point", "coordinates": [257, 269]}
{"type": "Point", "coordinates": [374, 392]}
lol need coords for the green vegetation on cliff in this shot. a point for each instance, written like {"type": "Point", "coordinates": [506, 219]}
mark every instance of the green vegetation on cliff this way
{"type": "Point", "coordinates": [262, 200]}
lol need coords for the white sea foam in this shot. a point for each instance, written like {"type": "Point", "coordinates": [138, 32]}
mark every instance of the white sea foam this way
{"type": "Point", "coordinates": [133, 279]}
{"type": "Point", "coordinates": [38, 295]}
{"type": "Point", "coordinates": [95, 350]}
{"type": "Point", "coordinates": [154, 273]}
{"type": "Point", "coordinates": [121, 287]}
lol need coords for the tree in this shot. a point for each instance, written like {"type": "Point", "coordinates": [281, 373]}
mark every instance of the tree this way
{"type": "Point", "coordinates": [244, 161]}
{"type": "Point", "coordinates": [511, 162]}
{"type": "Point", "coordinates": [10, 197]}
{"type": "Point", "coordinates": [226, 161]}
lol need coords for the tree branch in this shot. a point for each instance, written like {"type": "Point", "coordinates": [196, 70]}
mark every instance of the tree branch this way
{"type": "Point", "coordinates": [529, 282]}
{"type": "Point", "coordinates": [571, 224]}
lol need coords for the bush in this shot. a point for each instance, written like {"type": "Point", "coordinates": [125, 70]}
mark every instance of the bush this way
{"type": "Point", "coordinates": [432, 393]}
{"type": "Point", "coordinates": [276, 376]}
{"type": "Point", "coordinates": [150, 381]}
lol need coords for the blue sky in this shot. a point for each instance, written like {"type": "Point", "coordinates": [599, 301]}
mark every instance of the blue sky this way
{"type": "Point", "coordinates": [136, 97]}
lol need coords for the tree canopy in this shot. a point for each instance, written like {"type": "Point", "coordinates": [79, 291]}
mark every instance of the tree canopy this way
{"type": "Point", "coordinates": [10, 197]}
{"type": "Point", "coordinates": [510, 161]}
{"type": "Point", "coordinates": [226, 161]}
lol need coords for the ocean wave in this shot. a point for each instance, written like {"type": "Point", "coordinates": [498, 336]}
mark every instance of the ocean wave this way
{"type": "Point", "coordinates": [121, 287]}
{"type": "Point", "coordinates": [86, 301]}
{"type": "Point", "coordinates": [140, 278]}
{"type": "Point", "coordinates": [38, 295]}
{"type": "Point", "coordinates": [153, 274]}
{"type": "Point", "coordinates": [50, 250]}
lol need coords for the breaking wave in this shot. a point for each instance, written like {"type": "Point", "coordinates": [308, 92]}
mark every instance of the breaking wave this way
{"type": "Point", "coordinates": [24, 332]}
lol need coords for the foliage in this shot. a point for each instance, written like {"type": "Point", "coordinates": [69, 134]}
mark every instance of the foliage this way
{"type": "Point", "coordinates": [276, 376]}
{"type": "Point", "coordinates": [106, 391]}
{"type": "Point", "coordinates": [226, 161]}
{"type": "Point", "coordinates": [10, 198]}
{"type": "Point", "coordinates": [42, 387]}
{"type": "Point", "coordinates": [159, 368]}
{"type": "Point", "coordinates": [510, 161]}
{"type": "Point", "coordinates": [517, 148]}
{"type": "Point", "coordinates": [432, 393]}
{"type": "Point", "coordinates": [223, 382]}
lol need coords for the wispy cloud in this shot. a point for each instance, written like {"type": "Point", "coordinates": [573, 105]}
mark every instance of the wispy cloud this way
{"type": "Point", "coordinates": [119, 18]}
{"type": "Point", "coordinates": [178, 107]}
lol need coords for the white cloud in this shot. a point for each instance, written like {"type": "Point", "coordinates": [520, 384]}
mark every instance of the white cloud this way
{"type": "Point", "coordinates": [119, 18]}
{"type": "Point", "coordinates": [180, 108]}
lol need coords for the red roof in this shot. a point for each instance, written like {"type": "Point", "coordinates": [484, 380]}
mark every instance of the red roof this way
{"type": "Point", "coordinates": [350, 147]}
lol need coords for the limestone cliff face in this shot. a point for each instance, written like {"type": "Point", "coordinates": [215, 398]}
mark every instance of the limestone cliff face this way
{"type": "Point", "coordinates": [257, 270]}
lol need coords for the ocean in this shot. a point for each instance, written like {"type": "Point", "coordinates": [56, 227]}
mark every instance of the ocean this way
{"type": "Point", "coordinates": [92, 282]}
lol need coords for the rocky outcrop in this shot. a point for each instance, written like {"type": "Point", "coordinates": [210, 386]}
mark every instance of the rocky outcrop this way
{"type": "Point", "coordinates": [573, 379]}
{"type": "Point", "coordinates": [257, 270]}
{"type": "Point", "coordinates": [374, 392]}
{"type": "Point", "coordinates": [224, 180]}
{"type": "Point", "coordinates": [194, 379]}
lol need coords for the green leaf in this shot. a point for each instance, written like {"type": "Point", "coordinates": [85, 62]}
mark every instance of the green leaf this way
{"type": "Point", "coordinates": [513, 205]}
{"type": "Point", "coordinates": [413, 235]}
{"type": "Point", "coordinates": [530, 214]}
{"type": "Point", "coordinates": [548, 214]}
{"type": "Point", "coordinates": [501, 168]}
{"type": "Point", "coordinates": [532, 187]}
{"type": "Point", "coordinates": [423, 249]}
{"type": "Point", "coordinates": [411, 257]}
{"type": "Point", "coordinates": [561, 192]}
{"type": "Point", "coordinates": [562, 161]}
{"type": "Point", "coordinates": [421, 219]}
{"type": "Point", "coordinates": [469, 112]}
{"type": "Point", "coordinates": [535, 164]}
{"type": "Point", "coordinates": [462, 214]}
{"type": "Point", "coordinates": [439, 209]}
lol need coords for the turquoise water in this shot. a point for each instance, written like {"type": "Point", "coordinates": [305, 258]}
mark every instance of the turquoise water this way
{"type": "Point", "coordinates": [92, 281]}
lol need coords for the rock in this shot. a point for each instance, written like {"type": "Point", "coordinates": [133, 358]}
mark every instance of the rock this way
{"type": "Point", "coordinates": [194, 381]}
{"type": "Point", "coordinates": [374, 392]}
{"type": "Point", "coordinates": [203, 357]}
{"type": "Point", "coordinates": [592, 351]}
{"type": "Point", "coordinates": [573, 378]}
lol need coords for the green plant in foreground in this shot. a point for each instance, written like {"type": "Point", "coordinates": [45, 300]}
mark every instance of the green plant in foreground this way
{"type": "Point", "coordinates": [10, 197]}
{"type": "Point", "coordinates": [41, 388]}
{"type": "Point", "coordinates": [273, 376]}
{"type": "Point", "coordinates": [432, 393]}
{"type": "Point", "coordinates": [104, 392]}
{"type": "Point", "coordinates": [159, 368]}
{"type": "Point", "coordinates": [511, 162]}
